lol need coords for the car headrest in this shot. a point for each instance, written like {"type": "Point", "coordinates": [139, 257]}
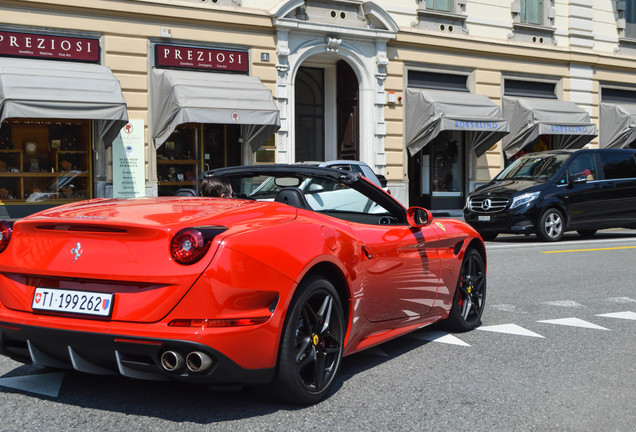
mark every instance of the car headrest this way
{"type": "Point", "coordinates": [186, 192]}
{"type": "Point", "coordinates": [292, 196]}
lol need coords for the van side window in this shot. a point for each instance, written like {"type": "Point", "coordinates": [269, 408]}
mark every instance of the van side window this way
{"type": "Point", "coordinates": [583, 166]}
{"type": "Point", "coordinates": [618, 165]}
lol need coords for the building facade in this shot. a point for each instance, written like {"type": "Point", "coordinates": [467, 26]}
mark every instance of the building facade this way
{"type": "Point", "coordinates": [437, 95]}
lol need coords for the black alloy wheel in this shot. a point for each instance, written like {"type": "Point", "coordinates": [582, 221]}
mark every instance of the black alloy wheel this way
{"type": "Point", "coordinates": [551, 225]}
{"type": "Point", "coordinates": [470, 295]}
{"type": "Point", "coordinates": [312, 343]}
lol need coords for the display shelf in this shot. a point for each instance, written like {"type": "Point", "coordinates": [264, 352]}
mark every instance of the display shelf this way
{"type": "Point", "coordinates": [36, 169]}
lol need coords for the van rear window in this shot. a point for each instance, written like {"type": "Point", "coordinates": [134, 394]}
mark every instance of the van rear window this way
{"type": "Point", "coordinates": [618, 165]}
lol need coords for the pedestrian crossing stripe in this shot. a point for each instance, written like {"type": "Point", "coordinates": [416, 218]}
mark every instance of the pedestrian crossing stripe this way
{"type": "Point", "coordinates": [574, 322]}
{"type": "Point", "coordinates": [513, 329]}
{"type": "Point", "coordinates": [621, 315]}
{"type": "Point", "coordinates": [440, 337]}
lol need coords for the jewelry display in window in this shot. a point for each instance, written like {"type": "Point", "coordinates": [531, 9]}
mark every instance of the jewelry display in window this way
{"type": "Point", "coordinates": [34, 165]}
{"type": "Point", "coordinates": [31, 147]}
{"type": "Point", "coordinates": [5, 194]}
{"type": "Point", "coordinates": [68, 144]}
{"type": "Point", "coordinates": [6, 143]}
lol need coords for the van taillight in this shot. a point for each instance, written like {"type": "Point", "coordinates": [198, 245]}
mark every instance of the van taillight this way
{"type": "Point", "coordinates": [5, 234]}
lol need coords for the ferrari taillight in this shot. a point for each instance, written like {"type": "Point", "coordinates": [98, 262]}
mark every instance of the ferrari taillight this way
{"type": "Point", "coordinates": [5, 234]}
{"type": "Point", "coordinates": [190, 244]}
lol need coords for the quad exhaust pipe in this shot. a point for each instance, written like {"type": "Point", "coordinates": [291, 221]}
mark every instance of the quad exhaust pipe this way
{"type": "Point", "coordinates": [195, 361]}
{"type": "Point", "coordinates": [172, 361]}
{"type": "Point", "coordinates": [198, 361]}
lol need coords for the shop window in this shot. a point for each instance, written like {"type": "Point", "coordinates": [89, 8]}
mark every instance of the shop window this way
{"type": "Point", "coordinates": [266, 154]}
{"type": "Point", "coordinates": [533, 21]}
{"type": "Point", "coordinates": [522, 88]}
{"type": "Point", "coordinates": [447, 179]}
{"type": "Point", "coordinates": [613, 95]}
{"type": "Point", "coordinates": [447, 16]}
{"type": "Point", "coordinates": [192, 149]}
{"type": "Point", "coordinates": [437, 81]}
{"type": "Point", "coordinates": [44, 161]}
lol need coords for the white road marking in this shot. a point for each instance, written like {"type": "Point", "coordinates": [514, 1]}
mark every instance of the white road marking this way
{"type": "Point", "coordinates": [439, 336]}
{"type": "Point", "coordinates": [508, 308]}
{"type": "Point", "coordinates": [621, 315]}
{"type": "Point", "coordinates": [574, 322]}
{"type": "Point", "coordinates": [513, 329]}
{"type": "Point", "coordinates": [48, 384]}
{"type": "Point", "coordinates": [621, 300]}
{"type": "Point", "coordinates": [564, 303]}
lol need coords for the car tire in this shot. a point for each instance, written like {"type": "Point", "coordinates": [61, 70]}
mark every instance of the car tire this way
{"type": "Point", "coordinates": [488, 235]}
{"type": "Point", "coordinates": [470, 295]}
{"type": "Point", "coordinates": [587, 233]}
{"type": "Point", "coordinates": [551, 225]}
{"type": "Point", "coordinates": [311, 344]}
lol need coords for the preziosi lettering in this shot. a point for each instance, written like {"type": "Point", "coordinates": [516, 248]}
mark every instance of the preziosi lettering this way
{"type": "Point", "coordinates": [45, 43]}
{"type": "Point", "coordinates": [195, 55]}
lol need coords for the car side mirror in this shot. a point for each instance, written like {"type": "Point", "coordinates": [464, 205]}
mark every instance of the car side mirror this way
{"type": "Point", "coordinates": [418, 217]}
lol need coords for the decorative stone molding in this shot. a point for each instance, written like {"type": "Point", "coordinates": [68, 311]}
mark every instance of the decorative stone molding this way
{"type": "Point", "coordinates": [234, 3]}
{"type": "Point", "coordinates": [333, 44]}
{"type": "Point", "coordinates": [441, 20]}
{"type": "Point", "coordinates": [535, 33]}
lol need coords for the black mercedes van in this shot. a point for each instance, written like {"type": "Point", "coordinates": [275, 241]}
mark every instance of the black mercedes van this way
{"type": "Point", "coordinates": [551, 192]}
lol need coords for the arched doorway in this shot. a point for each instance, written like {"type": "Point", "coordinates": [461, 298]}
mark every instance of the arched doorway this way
{"type": "Point", "coordinates": [348, 112]}
{"type": "Point", "coordinates": [327, 119]}
{"type": "Point", "coordinates": [310, 114]}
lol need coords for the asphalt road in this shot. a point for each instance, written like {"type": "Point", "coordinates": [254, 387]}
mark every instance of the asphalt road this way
{"type": "Point", "coordinates": [556, 352]}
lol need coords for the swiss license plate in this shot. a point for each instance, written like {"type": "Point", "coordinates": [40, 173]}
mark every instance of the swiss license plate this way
{"type": "Point", "coordinates": [483, 218]}
{"type": "Point", "coordinates": [80, 302]}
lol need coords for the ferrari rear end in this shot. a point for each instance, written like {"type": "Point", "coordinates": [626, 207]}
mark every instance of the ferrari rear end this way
{"type": "Point", "coordinates": [144, 288]}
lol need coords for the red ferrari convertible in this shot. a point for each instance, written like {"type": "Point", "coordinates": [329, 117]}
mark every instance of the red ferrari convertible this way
{"type": "Point", "coordinates": [306, 266]}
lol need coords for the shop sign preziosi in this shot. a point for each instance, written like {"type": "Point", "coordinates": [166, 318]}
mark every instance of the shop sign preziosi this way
{"type": "Point", "coordinates": [43, 46]}
{"type": "Point", "coordinates": [175, 56]}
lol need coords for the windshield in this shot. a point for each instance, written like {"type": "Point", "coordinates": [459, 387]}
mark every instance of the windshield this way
{"type": "Point", "coordinates": [319, 194]}
{"type": "Point", "coordinates": [534, 167]}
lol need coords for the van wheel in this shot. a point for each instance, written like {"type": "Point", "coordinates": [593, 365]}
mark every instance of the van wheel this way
{"type": "Point", "coordinates": [551, 225]}
{"type": "Point", "coordinates": [587, 233]}
{"type": "Point", "coordinates": [488, 235]}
